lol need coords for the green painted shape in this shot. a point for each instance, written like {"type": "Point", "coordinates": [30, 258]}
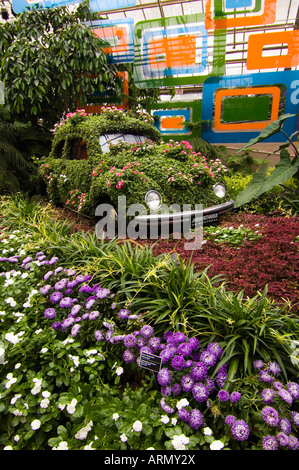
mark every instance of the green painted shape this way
{"type": "Point", "coordinates": [246, 109]}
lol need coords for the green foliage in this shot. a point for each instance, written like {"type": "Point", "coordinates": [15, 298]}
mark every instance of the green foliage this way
{"type": "Point", "coordinates": [181, 175]}
{"type": "Point", "coordinates": [47, 58]}
{"type": "Point", "coordinates": [284, 169]}
{"type": "Point", "coordinates": [231, 235]}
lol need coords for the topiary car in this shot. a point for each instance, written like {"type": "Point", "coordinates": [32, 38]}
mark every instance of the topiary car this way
{"type": "Point", "coordinates": [97, 158]}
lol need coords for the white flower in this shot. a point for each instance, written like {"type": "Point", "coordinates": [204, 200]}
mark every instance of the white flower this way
{"type": "Point", "coordinates": [71, 408]}
{"type": "Point", "coordinates": [10, 380]}
{"type": "Point", "coordinates": [38, 331]}
{"type": "Point", "coordinates": [44, 350]}
{"type": "Point", "coordinates": [17, 413]}
{"type": "Point", "coordinates": [174, 421]}
{"type": "Point", "coordinates": [12, 338]}
{"type": "Point", "coordinates": [137, 426]}
{"type": "Point", "coordinates": [11, 301]}
{"type": "Point", "coordinates": [88, 447]}
{"type": "Point", "coordinates": [164, 419]}
{"type": "Point", "coordinates": [18, 365]}
{"type": "Point", "coordinates": [207, 431]}
{"type": "Point", "coordinates": [119, 370]}
{"type": "Point", "coordinates": [216, 445]}
{"type": "Point", "coordinates": [24, 275]}
{"type": "Point", "coordinates": [115, 416]}
{"type": "Point", "coordinates": [44, 403]}
{"type": "Point", "coordinates": [35, 424]}
{"type": "Point", "coordinates": [75, 360]}
{"type": "Point", "coordinates": [36, 389]}
{"type": "Point", "coordinates": [16, 438]}
{"type": "Point", "coordinates": [14, 399]}
{"type": "Point", "coordinates": [183, 402]}
{"type": "Point", "coordinates": [46, 394]}
{"type": "Point", "coordinates": [82, 433]}
{"type": "Point", "coordinates": [7, 448]}
{"type": "Point", "coordinates": [179, 442]}
{"type": "Point", "coordinates": [61, 446]}
{"type": "Point", "coordinates": [123, 438]}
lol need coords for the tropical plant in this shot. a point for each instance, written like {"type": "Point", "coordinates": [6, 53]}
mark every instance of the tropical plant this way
{"type": "Point", "coordinates": [48, 57]}
{"type": "Point", "coordinates": [284, 169]}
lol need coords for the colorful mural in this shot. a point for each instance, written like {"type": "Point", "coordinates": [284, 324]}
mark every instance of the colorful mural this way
{"type": "Point", "coordinates": [193, 49]}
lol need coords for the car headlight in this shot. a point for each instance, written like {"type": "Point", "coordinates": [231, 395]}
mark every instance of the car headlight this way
{"type": "Point", "coordinates": [219, 190]}
{"type": "Point", "coordinates": [153, 199]}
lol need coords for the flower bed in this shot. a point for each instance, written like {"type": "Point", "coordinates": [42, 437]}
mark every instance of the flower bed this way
{"type": "Point", "coordinates": [70, 351]}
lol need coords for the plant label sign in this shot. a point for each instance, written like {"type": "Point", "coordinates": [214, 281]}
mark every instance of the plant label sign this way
{"type": "Point", "coordinates": [150, 361]}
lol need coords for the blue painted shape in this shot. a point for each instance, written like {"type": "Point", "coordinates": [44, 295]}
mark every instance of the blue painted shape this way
{"type": "Point", "coordinates": [122, 57]}
{"type": "Point", "coordinates": [163, 113]}
{"type": "Point", "coordinates": [19, 6]}
{"type": "Point", "coordinates": [148, 36]}
{"type": "Point", "coordinates": [231, 4]}
{"type": "Point", "coordinates": [212, 84]}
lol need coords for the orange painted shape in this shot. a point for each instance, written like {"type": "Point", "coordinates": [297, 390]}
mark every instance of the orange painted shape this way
{"type": "Point", "coordinates": [257, 42]}
{"type": "Point", "coordinates": [172, 123]}
{"type": "Point", "coordinates": [176, 51]}
{"type": "Point", "coordinates": [266, 17]}
{"type": "Point", "coordinates": [112, 32]}
{"type": "Point", "coordinates": [219, 126]}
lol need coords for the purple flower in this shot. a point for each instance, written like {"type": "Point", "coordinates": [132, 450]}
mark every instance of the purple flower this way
{"type": "Point", "coordinates": [184, 349]}
{"type": "Point", "coordinates": [85, 288]}
{"type": "Point", "coordinates": [277, 385]}
{"type": "Point", "coordinates": [196, 419]}
{"type": "Point", "coordinates": [75, 330]}
{"type": "Point", "coordinates": [274, 368]}
{"type": "Point", "coordinates": [270, 415]}
{"type": "Point", "coordinates": [282, 439]}
{"type": "Point", "coordinates": [215, 349]}
{"type": "Point", "coordinates": [167, 335]}
{"type": "Point", "coordinates": [89, 303]}
{"type": "Point", "coordinates": [176, 389]}
{"type": "Point", "coordinates": [285, 395]}
{"type": "Point", "coordinates": [80, 278]}
{"type": "Point", "coordinates": [164, 376]}
{"type": "Point", "coordinates": [293, 442]}
{"type": "Point", "coordinates": [208, 358]}
{"type": "Point", "coordinates": [267, 395]}
{"type": "Point", "coordinates": [230, 419]}
{"type": "Point", "coordinates": [129, 341]}
{"type": "Point", "coordinates": [66, 302]}
{"type": "Point", "coordinates": [146, 331]}
{"type": "Point", "coordinates": [47, 275]}
{"type": "Point", "coordinates": [166, 390]}
{"type": "Point", "coordinates": [188, 363]}
{"type": "Point", "coordinates": [27, 260]}
{"type": "Point", "coordinates": [178, 362]}
{"type": "Point", "coordinates": [108, 335]}
{"type": "Point", "coordinates": [166, 355]}
{"type": "Point", "coordinates": [240, 430]}
{"type": "Point", "coordinates": [61, 284]}
{"type": "Point", "coordinates": [58, 270]}
{"type": "Point", "coordinates": [270, 443]}
{"type": "Point", "coordinates": [165, 407]}
{"type": "Point", "coordinates": [184, 415]}
{"type": "Point", "coordinates": [56, 325]}
{"type": "Point", "coordinates": [235, 396]}
{"type": "Point", "coordinates": [128, 356]}
{"type": "Point", "coordinates": [187, 383]}
{"type": "Point", "coordinates": [259, 364]}
{"type": "Point", "coordinates": [285, 426]}
{"type": "Point", "coordinates": [154, 343]}
{"type": "Point", "coordinates": [50, 313]}
{"type": "Point", "coordinates": [140, 341]}
{"type": "Point", "coordinates": [176, 338]}
{"type": "Point", "coordinates": [200, 392]}
{"type": "Point", "coordinates": [295, 417]}
{"type": "Point", "coordinates": [123, 313]}
{"type": "Point", "coordinates": [72, 284]}
{"type": "Point", "coordinates": [75, 309]}
{"type": "Point", "coordinates": [98, 335]}
{"type": "Point", "coordinates": [264, 376]}
{"type": "Point", "coordinates": [293, 388]}
{"type": "Point", "coordinates": [45, 289]}
{"type": "Point", "coordinates": [93, 315]}
{"type": "Point", "coordinates": [210, 384]}
{"type": "Point", "coordinates": [194, 343]}
{"type": "Point", "coordinates": [199, 371]}
{"type": "Point", "coordinates": [56, 297]}
{"type": "Point", "coordinates": [102, 293]}
{"type": "Point", "coordinates": [67, 322]}
{"type": "Point", "coordinates": [221, 378]}
{"type": "Point", "coordinates": [223, 395]}
{"type": "Point", "coordinates": [53, 260]}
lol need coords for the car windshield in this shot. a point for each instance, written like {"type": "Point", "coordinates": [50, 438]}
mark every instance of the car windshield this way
{"type": "Point", "coordinates": [109, 139]}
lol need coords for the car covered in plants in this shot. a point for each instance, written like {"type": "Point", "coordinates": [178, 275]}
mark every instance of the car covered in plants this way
{"type": "Point", "coordinates": [97, 158]}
